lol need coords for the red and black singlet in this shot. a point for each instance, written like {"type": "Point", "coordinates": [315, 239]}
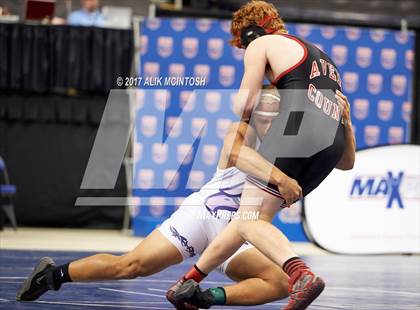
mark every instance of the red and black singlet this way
{"type": "Point", "coordinates": [308, 117]}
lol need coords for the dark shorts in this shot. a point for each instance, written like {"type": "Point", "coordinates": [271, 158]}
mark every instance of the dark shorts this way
{"type": "Point", "coordinates": [309, 172]}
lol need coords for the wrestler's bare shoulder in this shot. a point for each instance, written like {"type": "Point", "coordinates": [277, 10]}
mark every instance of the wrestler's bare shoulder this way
{"type": "Point", "coordinates": [281, 52]}
{"type": "Point", "coordinates": [274, 41]}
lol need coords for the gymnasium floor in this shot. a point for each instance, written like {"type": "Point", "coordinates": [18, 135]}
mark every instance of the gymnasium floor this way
{"type": "Point", "coordinates": [353, 282]}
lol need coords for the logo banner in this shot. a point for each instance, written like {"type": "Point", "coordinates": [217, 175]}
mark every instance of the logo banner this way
{"type": "Point", "coordinates": [374, 208]}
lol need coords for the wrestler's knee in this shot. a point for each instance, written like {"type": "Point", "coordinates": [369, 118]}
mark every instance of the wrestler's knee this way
{"type": "Point", "coordinates": [130, 267]}
{"type": "Point", "coordinates": [245, 227]}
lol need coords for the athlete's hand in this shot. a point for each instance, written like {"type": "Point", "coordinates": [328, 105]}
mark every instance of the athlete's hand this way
{"type": "Point", "coordinates": [345, 107]}
{"type": "Point", "coordinates": [290, 190]}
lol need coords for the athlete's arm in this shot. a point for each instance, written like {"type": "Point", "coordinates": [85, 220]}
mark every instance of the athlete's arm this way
{"type": "Point", "coordinates": [347, 159]}
{"type": "Point", "coordinates": [255, 61]}
{"type": "Point", "coordinates": [237, 152]}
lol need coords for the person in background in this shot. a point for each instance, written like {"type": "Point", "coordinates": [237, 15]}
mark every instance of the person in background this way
{"type": "Point", "coordinates": [4, 11]}
{"type": "Point", "coordinates": [88, 15]}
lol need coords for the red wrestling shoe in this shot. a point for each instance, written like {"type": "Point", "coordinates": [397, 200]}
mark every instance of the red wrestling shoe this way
{"type": "Point", "coordinates": [304, 288]}
{"type": "Point", "coordinates": [179, 303]}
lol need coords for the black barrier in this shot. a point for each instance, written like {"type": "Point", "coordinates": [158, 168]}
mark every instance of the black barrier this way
{"type": "Point", "coordinates": [48, 58]}
{"type": "Point", "coordinates": [46, 136]}
{"type": "Point", "coordinates": [46, 143]}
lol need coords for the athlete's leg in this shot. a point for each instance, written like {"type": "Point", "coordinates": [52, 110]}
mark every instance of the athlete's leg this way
{"type": "Point", "coordinates": [304, 285]}
{"type": "Point", "coordinates": [221, 248]}
{"type": "Point", "coordinates": [261, 233]}
{"type": "Point", "coordinates": [152, 255]}
{"type": "Point", "coordinates": [259, 280]}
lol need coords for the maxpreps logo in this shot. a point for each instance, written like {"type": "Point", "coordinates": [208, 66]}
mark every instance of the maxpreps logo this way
{"type": "Point", "coordinates": [379, 187]}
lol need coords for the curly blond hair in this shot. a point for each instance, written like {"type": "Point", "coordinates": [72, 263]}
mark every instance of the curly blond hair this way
{"type": "Point", "coordinates": [253, 13]}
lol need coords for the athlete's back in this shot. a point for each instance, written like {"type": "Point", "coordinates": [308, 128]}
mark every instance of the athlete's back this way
{"type": "Point", "coordinates": [307, 80]}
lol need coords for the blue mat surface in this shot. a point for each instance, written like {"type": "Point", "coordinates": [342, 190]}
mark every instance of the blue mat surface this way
{"type": "Point", "coordinates": [353, 282]}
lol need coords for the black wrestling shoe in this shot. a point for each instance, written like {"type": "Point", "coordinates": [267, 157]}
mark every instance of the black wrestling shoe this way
{"type": "Point", "coordinates": [201, 299]}
{"type": "Point", "coordinates": [38, 282]}
{"type": "Point", "coordinates": [186, 289]}
{"type": "Point", "coordinates": [176, 295]}
{"type": "Point", "coordinates": [190, 292]}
